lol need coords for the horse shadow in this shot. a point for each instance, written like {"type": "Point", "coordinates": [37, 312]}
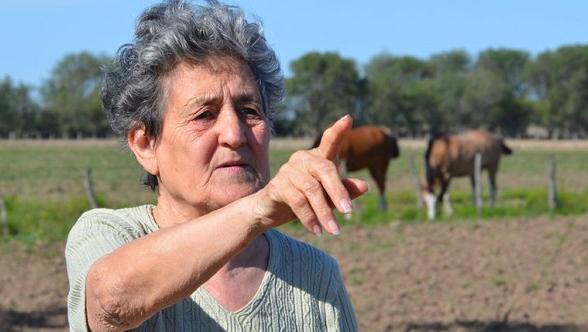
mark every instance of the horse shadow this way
{"type": "Point", "coordinates": [12, 320]}
{"type": "Point", "coordinates": [489, 326]}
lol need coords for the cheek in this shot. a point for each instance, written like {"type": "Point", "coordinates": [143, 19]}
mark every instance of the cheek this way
{"type": "Point", "coordinates": [260, 136]}
{"type": "Point", "coordinates": [260, 147]}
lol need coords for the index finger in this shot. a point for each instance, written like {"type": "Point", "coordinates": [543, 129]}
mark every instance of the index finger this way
{"type": "Point", "coordinates": [331, 140]}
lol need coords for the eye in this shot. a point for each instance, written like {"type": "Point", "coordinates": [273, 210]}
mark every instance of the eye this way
{"type": "Point", "coordinates": [250, 112]}
{"type": "Point", "coordinates": [206, 115]}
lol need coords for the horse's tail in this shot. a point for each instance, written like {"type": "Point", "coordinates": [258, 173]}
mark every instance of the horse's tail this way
{"type": "Point", "coordinates": [317, 140]}
{"type": "Point", "coordinates": [394, 146]}
{"type": "Point", "coordinates": [505, 149]}
{"type": "Point", "coordinates": [392, 142]}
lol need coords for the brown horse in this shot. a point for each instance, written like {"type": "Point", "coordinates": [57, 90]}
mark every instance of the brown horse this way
{"type": "Point", "coordinates": [449, 156]}
{"type": "Point", "coordinates": [369, 147]}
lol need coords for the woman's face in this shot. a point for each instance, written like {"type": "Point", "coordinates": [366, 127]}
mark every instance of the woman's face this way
{"type": "Point", "coordinates": [213, 147]}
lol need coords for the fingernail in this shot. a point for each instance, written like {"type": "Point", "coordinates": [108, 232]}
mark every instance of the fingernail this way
{"type": "Point", "coordinates": [345, 205]}
{"type": "Point", "coordinates": [343, 117]}
{"type": "Point", "coordinates": [317, 230]}
{"type": "Point", "coordinates": [333, 227]}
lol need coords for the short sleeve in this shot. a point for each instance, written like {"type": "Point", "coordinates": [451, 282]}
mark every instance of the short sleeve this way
{"type": "Point", "coordinates": [95, 234]}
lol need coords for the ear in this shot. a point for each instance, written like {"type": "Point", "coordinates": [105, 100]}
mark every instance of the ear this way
{"type": "Point", "coordinates": [143, 147]}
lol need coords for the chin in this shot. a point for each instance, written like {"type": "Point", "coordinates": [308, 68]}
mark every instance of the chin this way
{"type": "Point", "coordinates": [233, 193]}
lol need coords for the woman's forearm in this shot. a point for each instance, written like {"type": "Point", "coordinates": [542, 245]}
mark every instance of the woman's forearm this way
{"type": "Point", "coordinates": [129, 285]}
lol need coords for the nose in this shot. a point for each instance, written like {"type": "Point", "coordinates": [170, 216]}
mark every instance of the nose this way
{"type": "Point", "coordinates": [231, 130]}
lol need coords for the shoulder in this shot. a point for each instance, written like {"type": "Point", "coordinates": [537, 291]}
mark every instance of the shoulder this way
{"type": "Point", "coordinates": [134, 218]}
{"type": "Point", "coordinates": [125, 224]}
{"type": "Point", "coordinates": [96, 233]}
{"type": "Point", "coordinates": [298, 249]}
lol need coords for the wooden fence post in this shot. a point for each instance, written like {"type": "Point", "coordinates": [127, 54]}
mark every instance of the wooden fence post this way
{"type": "Point", "coordinates": [551, 184]}
{"type": "Point", "coordinates": [415, 178]}
{"type": "Point", "coordinates": [4, 218]}
{"type": "Point", "coordinates": [89, 188]}
{"type": "Point", "coordinates": [478, 182]}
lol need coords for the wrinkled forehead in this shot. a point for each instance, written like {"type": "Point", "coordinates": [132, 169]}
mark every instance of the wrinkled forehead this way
{"type": "Point", "coordinates": [223, 65]}
{"type": "Point", "coordinates": [210, 74]}
{"type": "Point", "coordinates": [218, 65]}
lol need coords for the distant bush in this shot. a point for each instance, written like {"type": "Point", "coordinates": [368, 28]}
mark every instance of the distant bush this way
{"type": "Point", "coordinates": [31, 221]}
{"type": "Point", "coordinates": [513, 203]}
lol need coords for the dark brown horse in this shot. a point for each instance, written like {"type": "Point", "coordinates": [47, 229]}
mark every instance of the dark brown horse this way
{"type": "Point", "coordinates": [369, 147]}
{"type": "Point", "coordinates": [449, 156]}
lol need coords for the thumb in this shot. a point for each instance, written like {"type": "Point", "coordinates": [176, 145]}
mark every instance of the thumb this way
{"type": "Point", "coordinates": [355, 187]}
{"type": "Point", "coordinates": [333, 136]}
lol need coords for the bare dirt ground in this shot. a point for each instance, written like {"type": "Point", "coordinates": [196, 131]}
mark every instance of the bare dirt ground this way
{"type": "Point", "coordinates": [519, 275]}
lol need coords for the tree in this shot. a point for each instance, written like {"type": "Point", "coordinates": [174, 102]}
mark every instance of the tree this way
{"type": "Point", "coordinates": [508, 65]}
{"type": "Point", "coordinates": [397, 97]}
{"type": "Point", "coordinates": [481, 99]}
{"type": "Point", "coordinates": [324, 87]}
{"type": "Point", "coordinates": [18, 112]}
{"type": "Point", "coordinates": [451, 74]}
{"type": "Point", "coordinates": [456, 61]}
{"type": "Point", "coordinates": [72, 94]}
{"type": "Point", "coordinates": [8, 114]}
{"type": "Point", "coordinates": [505, 70]}
{"type": "Point", "coordinates": [559, 83]}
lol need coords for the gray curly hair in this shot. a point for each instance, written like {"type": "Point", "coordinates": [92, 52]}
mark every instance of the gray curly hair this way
{"type": "Point", "coordinates": [168, 33]}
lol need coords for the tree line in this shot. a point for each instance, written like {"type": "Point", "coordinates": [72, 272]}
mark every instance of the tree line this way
{"type": "Point", "coordinates": [504, 90]}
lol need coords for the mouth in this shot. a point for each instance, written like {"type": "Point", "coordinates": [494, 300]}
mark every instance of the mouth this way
{"type": "Point", "coordinates": [234, 163]}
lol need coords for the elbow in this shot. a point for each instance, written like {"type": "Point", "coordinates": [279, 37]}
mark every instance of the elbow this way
{"type": "Point", "coordinates": [106, 308]}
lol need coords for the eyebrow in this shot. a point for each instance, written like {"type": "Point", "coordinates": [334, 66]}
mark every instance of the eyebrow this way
{"type": "Point", "coordinates": [242, 98]}
{"type": "Point", "coordinates": [201, 101]}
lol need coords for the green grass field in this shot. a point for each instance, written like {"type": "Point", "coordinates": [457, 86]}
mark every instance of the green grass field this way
{"type": "Point", "coordinates": [42, 185]}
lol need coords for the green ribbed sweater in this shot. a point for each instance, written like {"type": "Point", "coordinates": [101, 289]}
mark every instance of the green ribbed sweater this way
{"type": "Point", "coordinates": [302, 289]}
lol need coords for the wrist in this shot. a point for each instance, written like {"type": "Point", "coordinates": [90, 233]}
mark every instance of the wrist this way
{"type": "Point", "coordinates": [259, 217]}
{"type": "Point", "coordinates": [251, 213]}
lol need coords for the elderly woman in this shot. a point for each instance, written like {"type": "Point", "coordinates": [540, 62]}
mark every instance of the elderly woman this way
{"type": "Point", "coordinates": [193, 95]}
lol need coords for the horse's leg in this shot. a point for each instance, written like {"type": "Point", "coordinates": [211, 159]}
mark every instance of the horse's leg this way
{"type": "Point", "coordinates": [473, 182]}
{"type": "Point", "coordinates": [430, 203]}
{"type": "Point", "coordinates": [343, 168]}
{"type": "Point", "coordinates": [447, 203]}
{"type": "Point", "coordinates": [444, 197]}
{"type": "Point", "coordinates": [343, 172]}
{"type": "Point", "coordinates": [492, 178]}
{"type": "Point", "coordinates": [378, 172]}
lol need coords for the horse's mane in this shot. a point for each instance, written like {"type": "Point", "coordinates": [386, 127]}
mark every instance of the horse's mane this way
{"type": "Point", "coordinates": [432, 139]}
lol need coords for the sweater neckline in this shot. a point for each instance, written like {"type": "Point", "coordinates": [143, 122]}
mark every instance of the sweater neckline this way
{"type": "Point", "coordinates": [260, 294]}
{"type": "Point", "coordinates": [253, 304]}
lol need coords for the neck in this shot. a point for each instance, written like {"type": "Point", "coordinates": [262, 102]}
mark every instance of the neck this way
{"type": "Point", "coordinates": [168, 213]}
{"type": "Point", "coordinates": [255, 256]}
{"type": "Point", "coordinates": [237, 282]}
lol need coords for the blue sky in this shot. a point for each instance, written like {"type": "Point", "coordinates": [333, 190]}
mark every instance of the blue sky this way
{"type": "Point", "coordinates": [36, 34]}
